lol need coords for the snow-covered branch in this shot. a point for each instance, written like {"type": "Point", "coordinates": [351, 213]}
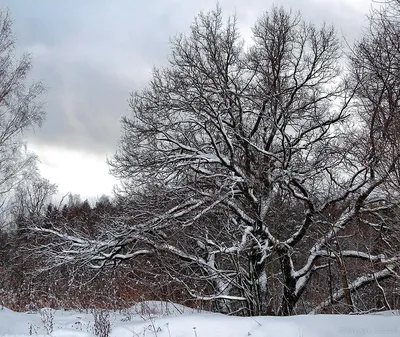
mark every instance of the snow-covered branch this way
{"type": "Point", "coordinates": [357, 284]}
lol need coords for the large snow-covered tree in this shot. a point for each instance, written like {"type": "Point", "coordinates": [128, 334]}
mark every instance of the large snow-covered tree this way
{"type": "Point", "coordinates": [250, 167]}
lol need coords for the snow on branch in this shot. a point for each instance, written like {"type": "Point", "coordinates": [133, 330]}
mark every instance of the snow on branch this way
{"type": "Point", "coordinates": [360, 282]}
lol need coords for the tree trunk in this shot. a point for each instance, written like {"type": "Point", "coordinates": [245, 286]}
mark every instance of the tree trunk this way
{"type": "Point", "coordinates": [258, 301]}
{"type": "Point", "coordinates": [345, 282]}
{"type": "Point", "coordinates": [289, 298]}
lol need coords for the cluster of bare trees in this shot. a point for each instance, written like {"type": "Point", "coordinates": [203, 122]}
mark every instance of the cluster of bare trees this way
{"type": "Point", "coordinates": [28, 282]}
{"type": "Point", "coordinates": [262, 179]}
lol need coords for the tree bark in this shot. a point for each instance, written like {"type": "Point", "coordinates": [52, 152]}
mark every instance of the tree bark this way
{"type": "Point", "coordinates": [289, 297]}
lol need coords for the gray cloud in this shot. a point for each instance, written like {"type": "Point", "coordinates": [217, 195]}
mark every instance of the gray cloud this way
{"type": "Point", "coordinates": [83, 107]}
{"type": "Point", "coordinates": [92, 54]}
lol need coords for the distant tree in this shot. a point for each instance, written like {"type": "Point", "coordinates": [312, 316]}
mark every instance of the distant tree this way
{"type": "Point", "coordinates": [32, 195]}
{"type": "Point", "coordinates": [74, 200]}
{"type": "Point", "coordinates": [104, 204]}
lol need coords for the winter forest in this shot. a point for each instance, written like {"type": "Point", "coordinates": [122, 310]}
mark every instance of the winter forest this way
{"type": "Point", "coordinates": [256, 177]}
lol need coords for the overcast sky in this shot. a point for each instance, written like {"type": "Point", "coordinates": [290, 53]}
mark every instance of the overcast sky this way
{"type": "Point", "coordinates": [91, 54]}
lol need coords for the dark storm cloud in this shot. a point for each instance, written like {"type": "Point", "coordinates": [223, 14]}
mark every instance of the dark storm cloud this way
{"type": "Point", "coordinates": [92, 54]}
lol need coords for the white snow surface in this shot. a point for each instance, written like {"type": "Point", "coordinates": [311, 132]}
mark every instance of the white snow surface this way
{"type": "Point", "coordinates": [160, 319]}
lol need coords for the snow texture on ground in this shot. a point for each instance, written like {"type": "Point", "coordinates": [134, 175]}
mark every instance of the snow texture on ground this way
{"type": "Point", "coordinates": [158, 319]}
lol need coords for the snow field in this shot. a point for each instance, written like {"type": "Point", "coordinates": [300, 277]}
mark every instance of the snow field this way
{"type": "Point", "coordinates": [158, 319]}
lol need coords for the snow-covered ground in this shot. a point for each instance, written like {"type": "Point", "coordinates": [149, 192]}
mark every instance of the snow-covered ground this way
{"type": "Point", "coordinates": [156, 319]}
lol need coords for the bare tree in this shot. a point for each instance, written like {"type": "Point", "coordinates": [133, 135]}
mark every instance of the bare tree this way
{"type": "Point", "coordinates": [20, 109]}
{"type": "Point", "coordinates": [260, 173]}
{"type": "Point", "coordinates": [32, 195]}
